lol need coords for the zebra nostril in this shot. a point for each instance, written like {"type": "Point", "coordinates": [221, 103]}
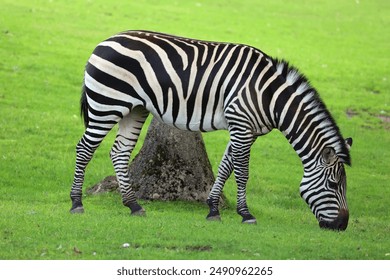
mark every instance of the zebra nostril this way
{"type": "Point", "coordinates": [322, 224]}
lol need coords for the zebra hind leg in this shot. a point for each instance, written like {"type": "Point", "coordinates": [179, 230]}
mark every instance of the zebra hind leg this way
{"type": "Point", "coordinates": [224, 171]}
{"type": "Point", "coordinates": [83, 156]}
{"type": "Point", "coordinates": [85, 149]}
{"type": "Point", "coordinates": [129, 129]}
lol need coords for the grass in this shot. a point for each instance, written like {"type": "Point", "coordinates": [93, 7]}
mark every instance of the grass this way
{"type": "Point", "coordinates": [340, 45]}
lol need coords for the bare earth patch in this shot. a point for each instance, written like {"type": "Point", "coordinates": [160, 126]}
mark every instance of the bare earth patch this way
{"type": "Point", "coordinates": [385, 119]}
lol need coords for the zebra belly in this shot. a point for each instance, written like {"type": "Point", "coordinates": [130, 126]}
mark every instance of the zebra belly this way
{"type": "Point", "coordinates": [210, 122]}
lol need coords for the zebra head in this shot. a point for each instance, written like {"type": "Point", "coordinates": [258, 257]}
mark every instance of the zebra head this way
{"type": "Point", "coordinates": [324, 186]}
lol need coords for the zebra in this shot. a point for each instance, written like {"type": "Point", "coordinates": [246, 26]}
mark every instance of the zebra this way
{"type": "Point", "coordinates": [205, 86]}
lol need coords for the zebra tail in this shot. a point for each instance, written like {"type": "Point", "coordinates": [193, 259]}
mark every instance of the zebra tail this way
{"type": "Point", "coordinates": [84, 106]}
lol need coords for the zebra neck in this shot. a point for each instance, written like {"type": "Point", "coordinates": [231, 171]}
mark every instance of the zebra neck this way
{"type": "Point", "coordinates": [308, 142]}
{"type": "Point", "coordinates": [300, 114]}
{"type": "Point", "coordinates": [309, 131]}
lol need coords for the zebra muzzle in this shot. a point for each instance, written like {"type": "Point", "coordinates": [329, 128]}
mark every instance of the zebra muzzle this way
{"type": "Point", "coordinates": [340, 223]}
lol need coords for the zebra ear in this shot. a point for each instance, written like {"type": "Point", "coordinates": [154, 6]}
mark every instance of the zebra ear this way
{"type": "Point", "coordinates": [348, 142]}
{"type": "Point", "coordinates": [329, 155]}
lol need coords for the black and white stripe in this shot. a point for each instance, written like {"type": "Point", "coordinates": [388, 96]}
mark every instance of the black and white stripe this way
{"type": "Point", "coordinates": [205, 86]}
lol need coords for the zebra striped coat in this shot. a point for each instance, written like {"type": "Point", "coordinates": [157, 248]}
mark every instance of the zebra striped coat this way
{"type": "Point", "coordinates": [204, 86]}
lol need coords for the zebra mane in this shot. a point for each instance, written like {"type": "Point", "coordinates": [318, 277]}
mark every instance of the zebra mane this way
{"type": "Point", "coordinates": [302, 86]}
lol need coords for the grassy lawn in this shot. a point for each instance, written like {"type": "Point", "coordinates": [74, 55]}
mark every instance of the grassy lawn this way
{"type": "Point", "coordinates": [342, 46]}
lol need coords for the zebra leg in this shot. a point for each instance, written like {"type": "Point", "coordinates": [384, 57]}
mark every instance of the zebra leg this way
{"type": "Point", "coordinates": [224, 171]}
{"type": "Point", "coordinates": [129, 129]}
{"type": "Point", "coordinates": [241, 145]}
{"type": "Point", "coordinates": [84, 152]}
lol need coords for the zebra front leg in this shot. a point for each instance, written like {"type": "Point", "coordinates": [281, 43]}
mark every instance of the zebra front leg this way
{"type": "Point", "coordinates": [129, 129]}
{"type": "Point", "coordinates": [224, 171]}
{"type": "Point", "coordinates": [240, 153]}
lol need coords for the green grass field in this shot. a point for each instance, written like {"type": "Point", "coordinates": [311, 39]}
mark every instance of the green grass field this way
{"type": "Point", "coordinates": [343, 47]}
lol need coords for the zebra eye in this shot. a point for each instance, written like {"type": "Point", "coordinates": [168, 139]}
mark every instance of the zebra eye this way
{"type": "Point", "coordinates": [332, 185]}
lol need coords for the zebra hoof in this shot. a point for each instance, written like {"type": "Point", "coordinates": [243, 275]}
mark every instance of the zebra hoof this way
{"type": "Point", "coordinates": [248, 219]}
{"type": "Point", "coordinates": [77, 210]}
{"type": "Point", "coordinates": [216, 218]}
{"type": "Point", "coordinates": [140, 213]}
